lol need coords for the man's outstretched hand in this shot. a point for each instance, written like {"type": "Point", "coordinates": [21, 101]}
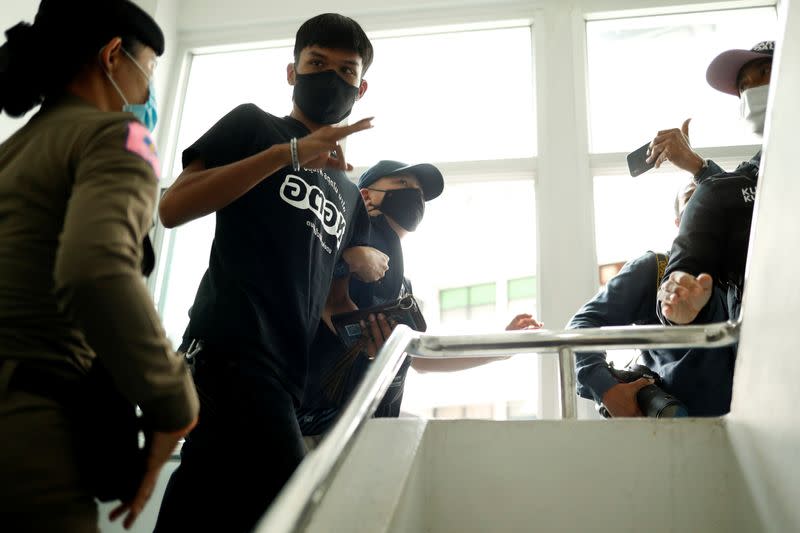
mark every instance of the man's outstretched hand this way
{"type": "Point", "coordinates": [683, 296]}
{"type": "Point", "coordinates": [523, 321]}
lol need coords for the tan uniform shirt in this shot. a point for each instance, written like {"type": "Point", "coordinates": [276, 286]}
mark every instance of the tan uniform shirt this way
{"type": "Point", "coordinates": [77, 194]}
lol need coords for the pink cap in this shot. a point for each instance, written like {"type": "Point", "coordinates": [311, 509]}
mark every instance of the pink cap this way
{"type": "Point", "coordinates": [724, 69]}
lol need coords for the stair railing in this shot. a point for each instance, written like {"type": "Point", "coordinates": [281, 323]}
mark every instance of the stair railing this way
{"type": "Point", "coordinates": [293, 508]}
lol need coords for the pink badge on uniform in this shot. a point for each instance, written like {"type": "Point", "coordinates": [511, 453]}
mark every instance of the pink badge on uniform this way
{"type": "Point", "coordinates": [140, 143]}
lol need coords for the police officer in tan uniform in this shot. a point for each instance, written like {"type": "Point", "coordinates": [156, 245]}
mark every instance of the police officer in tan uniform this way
{"type": "Point", "coordinates": [78, 185]}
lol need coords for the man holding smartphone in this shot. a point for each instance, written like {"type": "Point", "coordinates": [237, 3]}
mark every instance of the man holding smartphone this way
{"type": "Point", "coordinates": [711, 247]}
{"type": "Point", "coordinates": [394, 195]}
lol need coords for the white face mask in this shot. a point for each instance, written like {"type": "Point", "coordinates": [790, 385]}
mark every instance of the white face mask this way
{"type": "Point", "coordinates": [753, 107]}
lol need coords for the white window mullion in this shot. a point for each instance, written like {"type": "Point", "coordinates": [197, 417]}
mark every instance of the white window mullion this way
{"type": "Point", "coordinates": [567, 273]}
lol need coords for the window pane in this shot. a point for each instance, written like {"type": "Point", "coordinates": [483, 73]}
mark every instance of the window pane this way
{"type": "Point", "coordinates": [481, 411]}
{"type": "Point", "coordinates": [448, 97]}
{"type": "Point", "coordinates": [512, 381]}
{"type": "Point", "coordinates": [449, 412]}
{"type": "Point", "coordinates": [524, 305]}
{"type": "Point", "coordinates": [482, 294]}
{"type": "Point", "coordinates": [219, 82]}
{"type": "Point", "coordinates": [464, 241]}
{"type": "Point", "coordinates": [454, 298]}
{"type": "Point", "coordinates": [191, 247]}
{"type": "Point", "coordinates": [425, 91]}
{"type": "Point", "coordinates": [520, 410]}
{"type": "Point", "coordinates": [609, 270]}
{"type": "Point", "coordinates": [459, 314]}
{"type": "Point", "coordinates": [649, 73]}
{"type": "Point", "coordinates": [521, 288]}
{"type": "Point", "coordinates": [480, 313]}
{"type": "Point", "coordinates": [634, 215]}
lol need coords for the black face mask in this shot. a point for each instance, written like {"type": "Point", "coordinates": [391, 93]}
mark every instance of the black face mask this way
{"type": "Point", "coordinates": [324, 97]}
{"type": "Point", "coordinates": [404, 206]}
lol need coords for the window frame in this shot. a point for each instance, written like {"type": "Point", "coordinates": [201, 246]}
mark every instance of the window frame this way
{"type": "Point", "coordinates": [562, 170]}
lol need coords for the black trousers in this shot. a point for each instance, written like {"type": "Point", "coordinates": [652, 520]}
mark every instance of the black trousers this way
{"type": "Point", "coordinates": [244, 448]}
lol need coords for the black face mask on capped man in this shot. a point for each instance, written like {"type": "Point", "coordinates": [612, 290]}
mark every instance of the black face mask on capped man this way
{"type": "Point", "coordinates": [404, 206]}
{"type": "Point", "coordinates": [324, 97]}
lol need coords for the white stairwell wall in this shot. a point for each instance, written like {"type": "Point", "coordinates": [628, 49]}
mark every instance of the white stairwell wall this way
{"type": "Point", "coordinates": [764, 423]}
{"type": "Point", "coordinates": [483, 476]}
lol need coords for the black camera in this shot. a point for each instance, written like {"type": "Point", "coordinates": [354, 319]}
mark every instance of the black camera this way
{"type": "Point", "coordinates": [652, 400]}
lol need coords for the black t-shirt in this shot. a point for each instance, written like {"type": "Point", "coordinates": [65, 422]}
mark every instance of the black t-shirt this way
{"type": "Point", "coordinates": [274, 248]}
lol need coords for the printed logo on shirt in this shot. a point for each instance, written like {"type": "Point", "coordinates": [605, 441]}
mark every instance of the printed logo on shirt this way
{"type": "Point", "coordinates": [749, 194]}
{"type": "Point", "coordinates": [297, 193]}
{"type": "Point", "coordinates": [140, 143]}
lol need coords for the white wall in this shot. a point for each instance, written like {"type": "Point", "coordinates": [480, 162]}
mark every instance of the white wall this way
{"type": "Point", "coordinates": [659, 476]}
{"type": "Point", "coordinates": [764, 420]}
{"type": "Point", "coordinates": [477, 476]}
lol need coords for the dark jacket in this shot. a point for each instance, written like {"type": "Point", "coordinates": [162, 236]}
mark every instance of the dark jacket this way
{"type": "Point", "coordinates": [701, 378]}
{"type": "Point", "coordinates": [320, 408]}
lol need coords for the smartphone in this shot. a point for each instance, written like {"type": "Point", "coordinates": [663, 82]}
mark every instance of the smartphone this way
{"type": "Point", "coordinates": [637, 163]}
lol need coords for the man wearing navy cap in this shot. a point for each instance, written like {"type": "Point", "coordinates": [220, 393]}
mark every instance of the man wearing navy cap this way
{"type": "Point", "coordinates": [395, 195]}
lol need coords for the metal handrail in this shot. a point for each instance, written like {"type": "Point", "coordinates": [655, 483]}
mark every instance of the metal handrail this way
{"type": "Point", "coordinates": [295, 505]}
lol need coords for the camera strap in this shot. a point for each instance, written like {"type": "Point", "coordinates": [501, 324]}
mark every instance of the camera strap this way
{"type": "Point", "coordinates": [661, 268]}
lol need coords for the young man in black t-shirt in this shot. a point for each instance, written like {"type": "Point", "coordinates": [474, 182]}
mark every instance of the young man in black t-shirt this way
{"type": "Point", "coordinates": [285, 213]}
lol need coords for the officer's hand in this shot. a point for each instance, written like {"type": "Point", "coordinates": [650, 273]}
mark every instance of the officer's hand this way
{"type": "Point", "coordinates": [523, 321]}
{"type": "Point", "coordinates": [620, 400]}
{"type": "Point", "coordinates": [321, 148]}
{"type": "Point", "coordinates": [673, 145]}
{"type": "Point", "coordinates": [376, 333]}
{"type": "Point", "coordinates": [683, 296]}
{"type": "Point", "coordinates": [366, 263]}
{"type": "Point", "coordinates": [161, 448]}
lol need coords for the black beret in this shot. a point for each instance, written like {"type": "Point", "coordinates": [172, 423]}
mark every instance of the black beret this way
{"type": "Point", "coordinates": [93, 22]}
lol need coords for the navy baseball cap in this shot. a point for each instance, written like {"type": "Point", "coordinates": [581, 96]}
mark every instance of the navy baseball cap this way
{"type": "Point", "coordinates": [429, 177]}
{"type": "Point", "coordinates": [723, 71]}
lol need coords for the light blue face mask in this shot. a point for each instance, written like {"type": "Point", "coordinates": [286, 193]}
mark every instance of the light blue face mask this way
{"type": "Point", "coordinates": [146, 113]}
